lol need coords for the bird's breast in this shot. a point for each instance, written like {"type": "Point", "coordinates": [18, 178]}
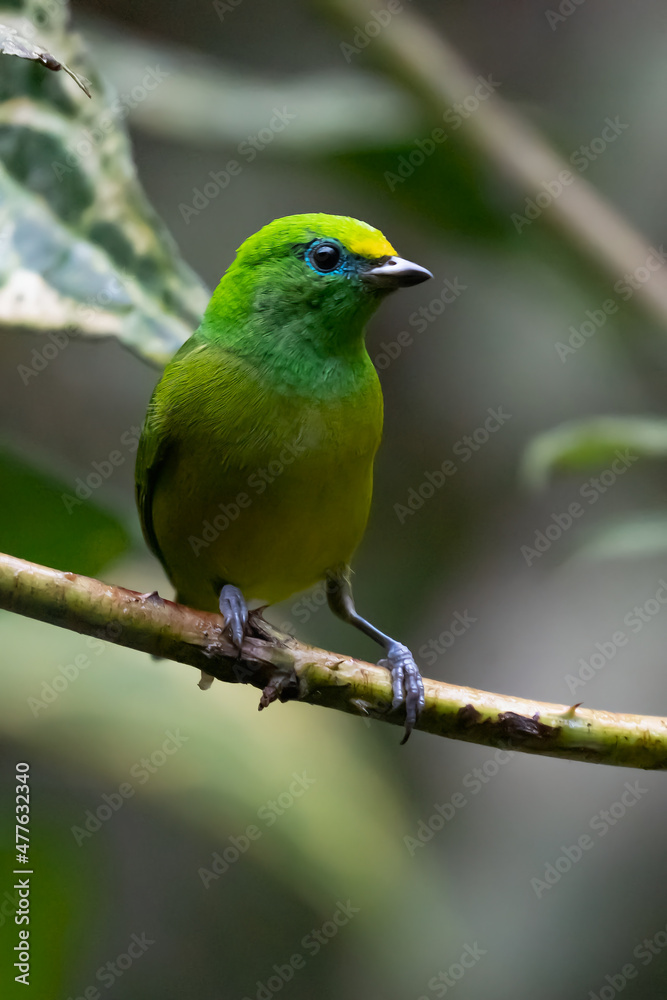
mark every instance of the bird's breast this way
{"type": "Point", "coordinates": [272, 500]}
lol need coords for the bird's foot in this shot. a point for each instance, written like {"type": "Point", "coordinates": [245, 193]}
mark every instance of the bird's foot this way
{"type": "Point", "coordinates": [406, 684]}
{"type": "Point", "coordinates": [234, 610]}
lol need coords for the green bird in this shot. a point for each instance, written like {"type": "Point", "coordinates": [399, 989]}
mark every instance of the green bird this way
{"type": "Point", "coordinates": [255, 466]}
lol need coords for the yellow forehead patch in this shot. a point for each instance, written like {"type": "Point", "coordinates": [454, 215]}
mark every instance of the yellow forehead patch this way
{"type": "Point", "coordinates": [371, 245]}
{"type": "Point", "coordinates": [282, 234]}
{"type": "Point", "coordinates": [362, 239]}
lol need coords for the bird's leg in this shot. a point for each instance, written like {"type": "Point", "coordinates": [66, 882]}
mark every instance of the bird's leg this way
{"type": "Point", "coordinates": [239, 622]}
{"type": "Point", "coordinates": [234, 610]}
{"type": "Point", "coordinates": [406, 682]}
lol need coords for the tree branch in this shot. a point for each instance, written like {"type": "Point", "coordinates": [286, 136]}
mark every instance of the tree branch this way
{"type": "Point", "coordinates": [409, 50]}
{"type": "Point", "coordinates": [287, 669]}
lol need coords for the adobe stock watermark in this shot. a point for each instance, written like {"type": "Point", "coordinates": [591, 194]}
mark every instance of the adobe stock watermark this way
{"type": "Point", "coordinates": [257, 482]}
{"type": "Point", "coordinates": [8, 906]}
{"type": "Point", "coordinates": [420, 320]}
{"type": "Point", "coordinates": [223, 7]}
{"type": "Point", "coordinates": [444, 812]}
{"type": "Point", "coordinates": [464, 448]}
{"type": "Point", "coordinates": [635, 620]}
{"type": "Point", "coordinates": [312, 943]}
{"type": "Point", "coordinates": [247, 151]}
{"type": "Point", "coordinates": [66, 674]}
{"type": "Point", "coordinates": [102, 471]}
{"type": "Point", "coordinates": [644, 951]}
{"type": "Point", "coordinates": [113, 292]}
{"type": "Point", "coordinates": [590, 491]}
{"type": "Point", "coordinates": [600, 824]}
{"type": "Point", "coordinates": [445, 980]}
{"type": "Point", "coordinates": [106, 123]}
{"type": "Point", "coordinates": [57, 341]}
{"type": "Point", "coordinates": [624, 288]}
{"type": "Point", "coordinates": [108, 974]}
{"type": "Point", "coordinates": [140, 772]}
{"type": "Point", "coordinates": [454, 117]}
{"type": "Point", "coordinates": [432, 650]}
{"type": "Point", "coordinates": [565, 9]}
{"type": "Point", "coordinates": [581, 160]}
{"type": "Point", "coordinates": [305, 607]}
{"type": "Point", "coordinates": [269, 813]}
{"type": "Point", "coordinates": [364, 34]}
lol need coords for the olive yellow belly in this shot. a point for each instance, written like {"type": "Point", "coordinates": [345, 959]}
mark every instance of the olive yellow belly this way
{"type": "Point", "coordinates": [271, 505]}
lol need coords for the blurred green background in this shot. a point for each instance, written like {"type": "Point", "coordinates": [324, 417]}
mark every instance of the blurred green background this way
{"type": "Point", "coordinates": [239, 836]}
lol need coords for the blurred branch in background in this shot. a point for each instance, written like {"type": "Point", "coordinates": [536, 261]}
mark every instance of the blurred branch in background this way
{"type": "Point", "coordinates": [411, 53]}
{"type": "Point", "coordinates": [197, 101]}
{"type": "Point", "coordinates": [204, 102]}
{"type": "Point", "coordinates": [288, 670]}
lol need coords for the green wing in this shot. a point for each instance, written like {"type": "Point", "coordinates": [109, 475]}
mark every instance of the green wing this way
{"type": "Point", "coordinates": [193, 366]}
{"type": "Point", "coordinates": [155, 445]}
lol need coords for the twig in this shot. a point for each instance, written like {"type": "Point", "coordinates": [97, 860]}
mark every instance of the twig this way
{"type": "Point", "coordinates": [286, 669]}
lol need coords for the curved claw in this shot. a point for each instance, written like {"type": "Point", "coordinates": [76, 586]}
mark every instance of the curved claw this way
{"type": "Point", "coordinates": [234, 610]}
{"type": "Point", "coordinates": [406, 684]}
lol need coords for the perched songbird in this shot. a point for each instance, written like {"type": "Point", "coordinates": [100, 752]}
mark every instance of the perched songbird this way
{"type": "Point", "coordinates": [255, 466]}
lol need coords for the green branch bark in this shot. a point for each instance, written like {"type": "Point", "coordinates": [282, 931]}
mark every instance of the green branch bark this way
{"type": "Point", "coordinates": [289, 670]}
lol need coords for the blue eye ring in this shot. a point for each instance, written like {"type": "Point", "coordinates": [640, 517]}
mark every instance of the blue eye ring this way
{"type": "Point", "coordinates": [325, 257]}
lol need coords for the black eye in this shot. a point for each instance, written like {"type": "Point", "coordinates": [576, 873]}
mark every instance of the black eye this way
{"type": "Point", "coordinates": [325, 257]}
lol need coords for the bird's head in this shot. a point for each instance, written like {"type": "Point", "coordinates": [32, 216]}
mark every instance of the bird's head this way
{"type": "Point", "coordinates": [320, 275]}
{"type": "Point", "coordinates": [328, 251]}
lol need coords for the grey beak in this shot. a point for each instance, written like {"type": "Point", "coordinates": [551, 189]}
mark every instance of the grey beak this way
{"type": "Point", "coordinates": [396, 273]}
